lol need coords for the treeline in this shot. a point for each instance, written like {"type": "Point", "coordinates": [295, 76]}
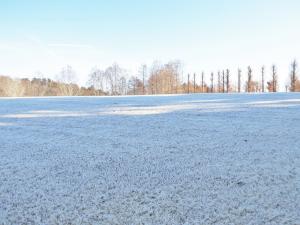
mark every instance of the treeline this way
{"type": "Point", "coordinates": [169, 79]}
{"type": "Point", "coordinates": [42, 87]}
{"type": "Point", "coordinates": [157, 79]}
{"type": "Point", "coordinates": [63, 85]}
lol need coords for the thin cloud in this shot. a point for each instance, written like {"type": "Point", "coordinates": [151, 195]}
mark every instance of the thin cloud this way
{"type": "Point", "coordinates": [65, 45]}
{"type": "Point", "coordinates": [38, 42]}
{"type": "Point", "coordinates": [8, 48]}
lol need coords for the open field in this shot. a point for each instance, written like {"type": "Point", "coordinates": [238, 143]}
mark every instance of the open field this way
{"type": "Point", "coordinates": [190, 159]}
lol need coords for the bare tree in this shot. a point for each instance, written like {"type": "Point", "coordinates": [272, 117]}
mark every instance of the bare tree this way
{"type": "Point", "coordinates": [194, 82]}
{"type": "Point", "coordinates": [123, 86]}
{"type": "Point", "coordinates": [67, 75]}
{"type": "Point", "coordinates": [249, 82]}
{"type": "Point", "coordinates": [178, 69]}
{"type": "Point", "coordinates": [153, 77]}
{"type": "Point", "coordinates": [202, 82]}
{"type": "Point", "coordinates": [274, 78]}
{"type": "Point", "coordinates": [172, 71]}
{"type": "Point", "coordinates": [113, 75]}
{"type": "Point", "coordinates": [163, 79]}
{"type": "Point", "coordinates": [212, 82]}
{"type": "Point", "coordinates": [293, 76]}
{"type": "Point", "coordinates": [223, 81]}
{"type": "Point", "coordinates": [219, 81]}
{"type": "Point", "coordinates": [251, 85]}
{"type": "Point", "coordinates": [143, 72]}
{"type": "Point", "coordinates": [227, 80]}
{"type": "Point", "coordinates": [188, 83]}
{"type": "Point", "coordinates": [263, 79]}
{"type": "Point", "coordinates": [96, 79]}
{"type": "Point", "coordinates": [239, 80]}
{"type": "Point", "coordinates": [10, 87]}
{"type": "Point", "coordinates": [135, 86]}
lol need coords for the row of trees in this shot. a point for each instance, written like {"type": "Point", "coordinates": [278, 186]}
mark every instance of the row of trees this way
{"type": "Point", "coordinates": [158, 79]}
{"type": "Point", "coordinates": [64, 86]}
{"type": "Point", "coordinates": [168, 79]}
{"type": "Point", "coordinates": [42, 87]}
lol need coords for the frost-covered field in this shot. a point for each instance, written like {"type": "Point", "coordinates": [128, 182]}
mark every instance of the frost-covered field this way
{"type": "Point", "coordinates": [194, 159]}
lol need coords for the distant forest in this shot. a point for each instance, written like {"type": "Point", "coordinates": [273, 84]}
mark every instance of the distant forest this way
{"type": "Point", "coordinates": [158, 79]}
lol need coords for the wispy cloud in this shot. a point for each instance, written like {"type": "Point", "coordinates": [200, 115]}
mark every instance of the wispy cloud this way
{"type": "Point", "coordinates": [69, 45]}
{"type": "Point", "coordinates": [38, 42]}
{"type": "Point", "coordinates": [8, 48]}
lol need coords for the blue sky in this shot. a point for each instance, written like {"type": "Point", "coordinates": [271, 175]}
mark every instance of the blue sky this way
{"type": "Point", "coordinates": [207, 35]}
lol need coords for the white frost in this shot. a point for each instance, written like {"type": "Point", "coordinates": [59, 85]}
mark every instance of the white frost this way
{"type": "Point", "coordinates": [185, 159]}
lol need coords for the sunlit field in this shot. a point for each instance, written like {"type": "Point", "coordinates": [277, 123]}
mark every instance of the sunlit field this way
{"type": "Point", "coordinates": [185, 159]}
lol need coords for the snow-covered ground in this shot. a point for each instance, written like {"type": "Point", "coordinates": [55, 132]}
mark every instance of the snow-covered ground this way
{"type": "Point", "coordinates": [191, 159]}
